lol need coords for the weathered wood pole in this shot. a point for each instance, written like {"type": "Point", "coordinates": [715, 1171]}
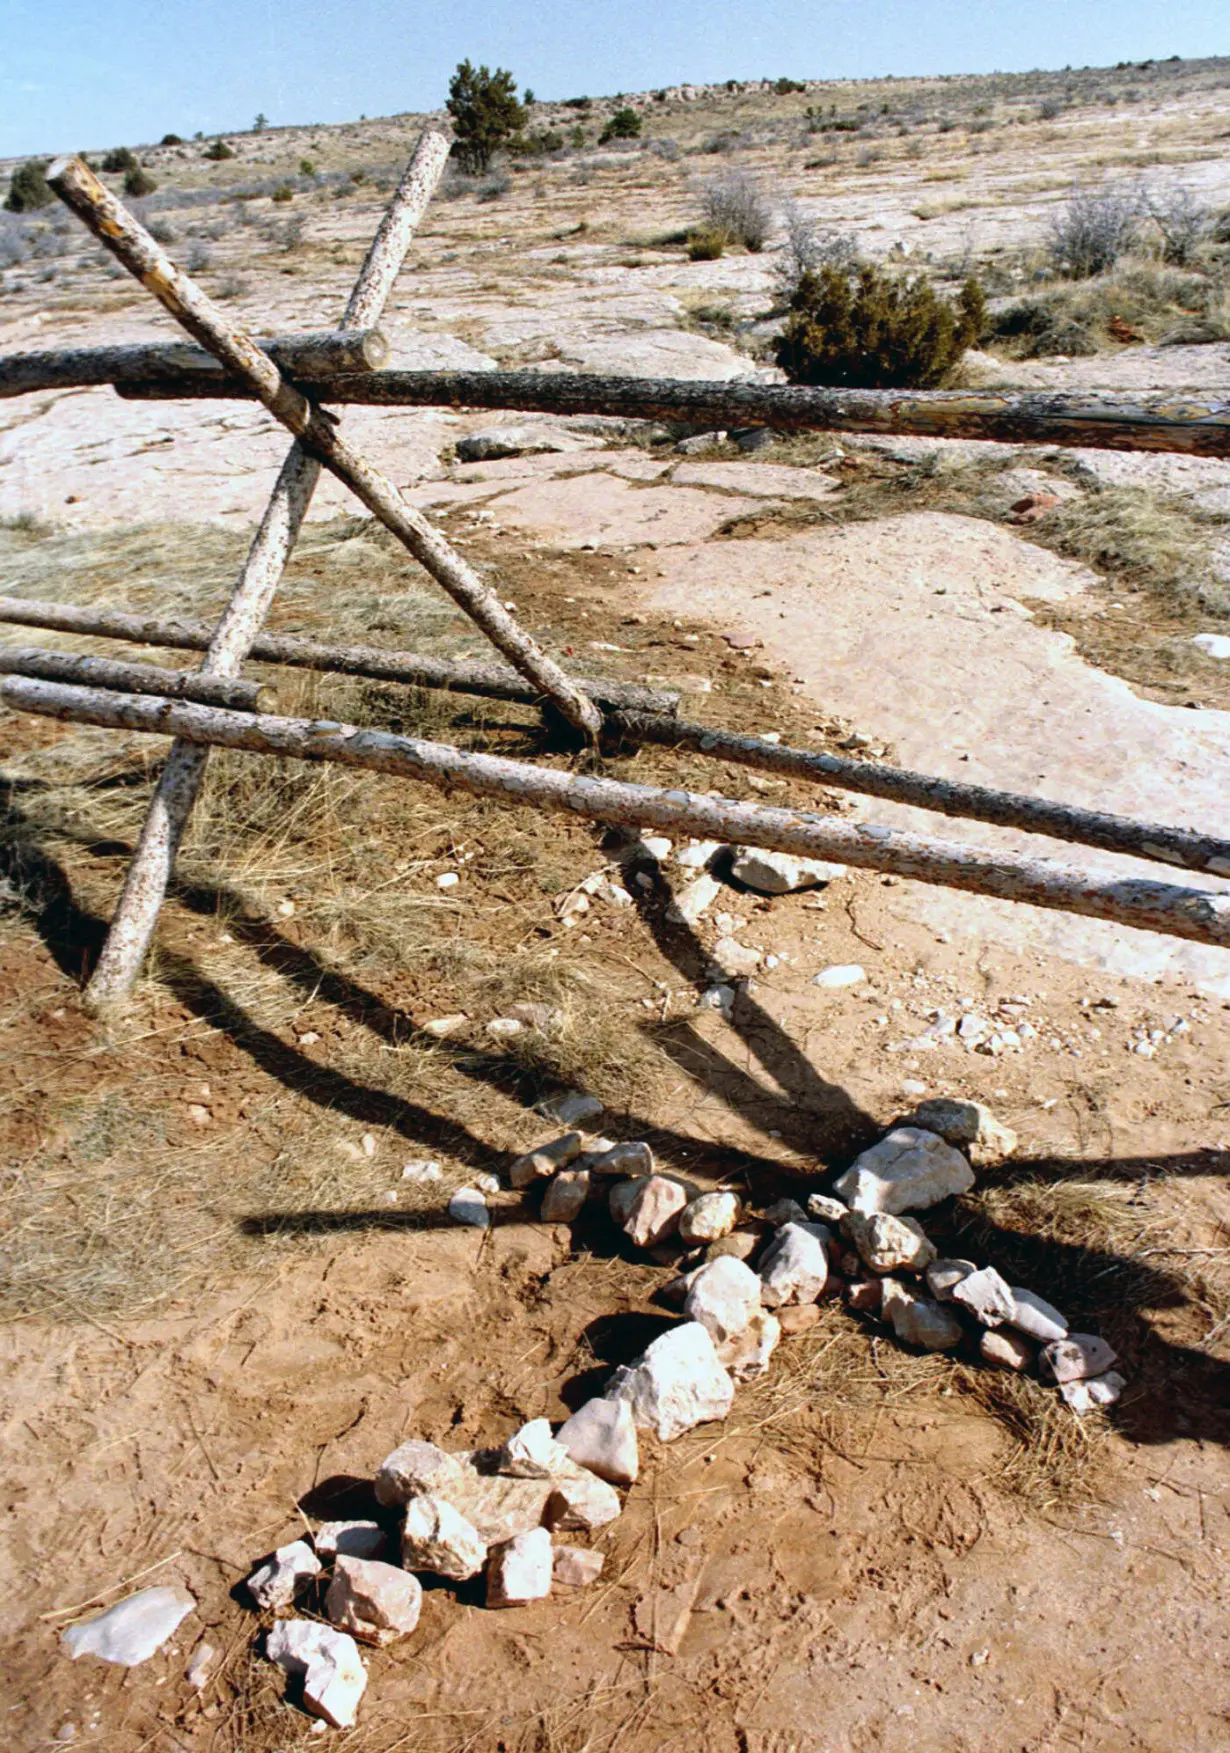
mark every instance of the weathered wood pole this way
{"type": "Point", "coordinates": [305, 358]}
{"type": "Point", "coordinates": [1193, 421]}
{"type": "Point", "coordinates": [145, 883]}
{"type": "Point", "coordinates": [135, 678]}
{"type": "Point", "coordinates": [132, 245]}
{"type": "Point", "coordinates": [1183, 847]}
{"type": "Point", "coordinates": [643, 715]}
{"type": "Point", "coordinates": [1196, 914]}
{"type": "Point", "coordinates": [411, 668]}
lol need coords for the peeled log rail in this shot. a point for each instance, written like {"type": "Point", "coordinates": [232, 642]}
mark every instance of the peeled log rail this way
{"type": "Point", "coordinates": [1184, 847]}
{"type": "Point", "coordinates": [131, 244]}
{"type": "Point", "coordinates": [302, 357]}
{"type": "Point", "coordinates": [1195, 914]}
{"type": "Point", "coordinates": [134, 678]}
{"type": "Point", "coordinates": [490, 681]}
{"type": "Point", "coordinates": [145, 883]}
{"type": "Point", "coordinates": [1194, 422]}
{"type": "Point", "coordinates": [640, 715]}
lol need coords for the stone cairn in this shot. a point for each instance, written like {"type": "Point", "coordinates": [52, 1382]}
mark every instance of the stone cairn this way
{"type": "Point", "coordinates": [517, 1515]}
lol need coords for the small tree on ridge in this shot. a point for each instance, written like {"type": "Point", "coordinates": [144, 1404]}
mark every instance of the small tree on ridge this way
{"type": "Point", "coordinates": [485, 113]}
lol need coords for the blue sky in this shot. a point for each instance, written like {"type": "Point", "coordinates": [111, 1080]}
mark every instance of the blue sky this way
{"type": "Point", "coordinates": [78, 76]}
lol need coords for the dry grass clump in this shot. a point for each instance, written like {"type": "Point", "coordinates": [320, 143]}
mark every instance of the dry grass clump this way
{"type": "Point", "coordinates": [1134, 299]}
{"type": "Point", "coordinates": [1153, 543]}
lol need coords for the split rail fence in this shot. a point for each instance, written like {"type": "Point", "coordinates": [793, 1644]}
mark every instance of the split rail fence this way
{"type": "Point", "coordinates": [294, 377]}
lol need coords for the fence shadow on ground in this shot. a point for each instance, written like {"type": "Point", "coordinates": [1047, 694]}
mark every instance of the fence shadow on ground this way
{"type": "Point", "coordinates": [1176, 1389]}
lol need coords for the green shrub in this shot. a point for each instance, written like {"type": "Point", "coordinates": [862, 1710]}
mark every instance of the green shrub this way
{"type": "Point", "coordinates": [119, 160]}
{"type": "Point", "coordinates": [28, 187]}
{"type": "Point", "coordinates": [217, 150]}
{"type": "Point", "coordinates": [870, 331]}
{"type": "Point", "coordinates": [171, 140]}
{"type": "Point", "coordinates": [784, 87]}
{"type": "Point", "coordinates": [306, 168]}
{"type": "Point", "coordinates": [138, 182]}
{"type": "Point", "coordinates": [623, 125]}
{"type": "Point", "coordinates": [282, 193]}
{"type": "Point", "coordinates": [485, 113]}
{"type": "Point", "coordinates": [539, 145]}
{"type": "Point", "coordinates": [707, 243]}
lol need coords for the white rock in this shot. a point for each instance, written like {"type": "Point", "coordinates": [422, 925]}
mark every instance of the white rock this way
{"type": "Point", "coordinates": [840, 974]}
{"type": "Point", "coordinates": [723, 1296]}
{"type": "Point", "coordinates": [1006, 1349]}
{"type": "Point", "coordinates": [694, 900]}
{"type": "Point", "coordinates": [968, 1124]}
{"type": "Point", "coordinates": [421, 1173]}
{"type": "Point", "coordinates": [469, 1207]}
{"type": "Point", "coordinates": [374, 1601]}
{"type": "Point", "coordinates": [438, 1538]}
{"type": "Point", "coordinates": [655, 846]}
{"type": "Point", "coordinates": [779, 873]}
{"type": "Point", "coordinates": [201, 1666]}
{"type": "Point", "coordinates": [886, 1243]}
{"type": "Point", "coordinates": [622, 1198]}
{"type": "Point", "coordinates": [353, 1539]}
{"type": "Point", "coordinates": [573, 1107]}
{"type": "Point", "coordinates": [908, 1170]}
{"type": "Point", "coordinates": [826, 1210]}
{"type": "Point", "coordinates": [709, 1218]}
{"type": "Point", "coordinates": [520, 1570]}
{"type": "Point", "coordinates": [496, 1506]}
{"type": "Point", "coordinates": [697, 854]}
{"type": "Point", "coordinates": [601, 1436]}
{"type": "Point", "coordinates": [916, 1320]}
{"type": "Point", "coordinates": [987, 1297]}
{"type": "Point", "coordinates": [533, 1453]}
{"type": "Point", "coordinates": [276, 1582]}
{"type": "Point", "coordinates": [720, 998]}
{"type": "Point", "coordinates": [582, 1502]}
{"type": "Point", "coordinates": [133, 1630]}
{"type": "Point", "coordinates": [576, 1566]}
{"type": "Point", "coordinates": [327, 1661]}
{"type": "Point", "coordinates": [415, 1470]}
{"type": "Point", "coordinates": [746, 1355]}
{"type": "Point", "coordinates": [545, 1160]}
{"type": "Point", "coordinates": [795, 1267]}
{"type": "Point", "coordinates": [942, 1275]}
{"type": "Point", "coordinates": [655, 1210]}
{"type": "Point", "coordinates": [506, 1028]}
{"type": "Point", "coordinates": [442, 1027]}
{"type": "Point", "coordinates": [1032, 1314]}
{"type": "Point", "coordinates": [633, 1159]}
{"type": "Point", "coordinates": [734, 959]}
{"type": "Point", "coordinates": [1213, 644]}
{"type": "Point", "coordinates": [565, 1196]}
{"type": "Point", "coordinates": [676, 1383]}
{"type": "Point", "coordinates": [1077, 1358]}
{"type": "Point", "coordinates": [1083, 1396]}
{"type": "Point", "coordinates": [509, 441]}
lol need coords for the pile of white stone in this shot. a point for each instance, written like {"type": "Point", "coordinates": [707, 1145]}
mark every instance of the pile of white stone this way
{"type": "Point", "coordinates": [511, 1515]}
{"type": "Point", "coordinates": [750, 1280]}
{"type": "Point", "coordinates": [746, 1283]}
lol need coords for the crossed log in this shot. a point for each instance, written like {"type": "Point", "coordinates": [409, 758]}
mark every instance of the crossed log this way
{"type": "Point", "coordinates": [633, 715]}
{"type": "Point", "coordinates": [317, 442]}
{"type": "Point", "coordinates": [1191, 913]}
{"type": "Point", "coordinates": [1192, 422]}
{"type": "Point", "coordinates": [214, 706]}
